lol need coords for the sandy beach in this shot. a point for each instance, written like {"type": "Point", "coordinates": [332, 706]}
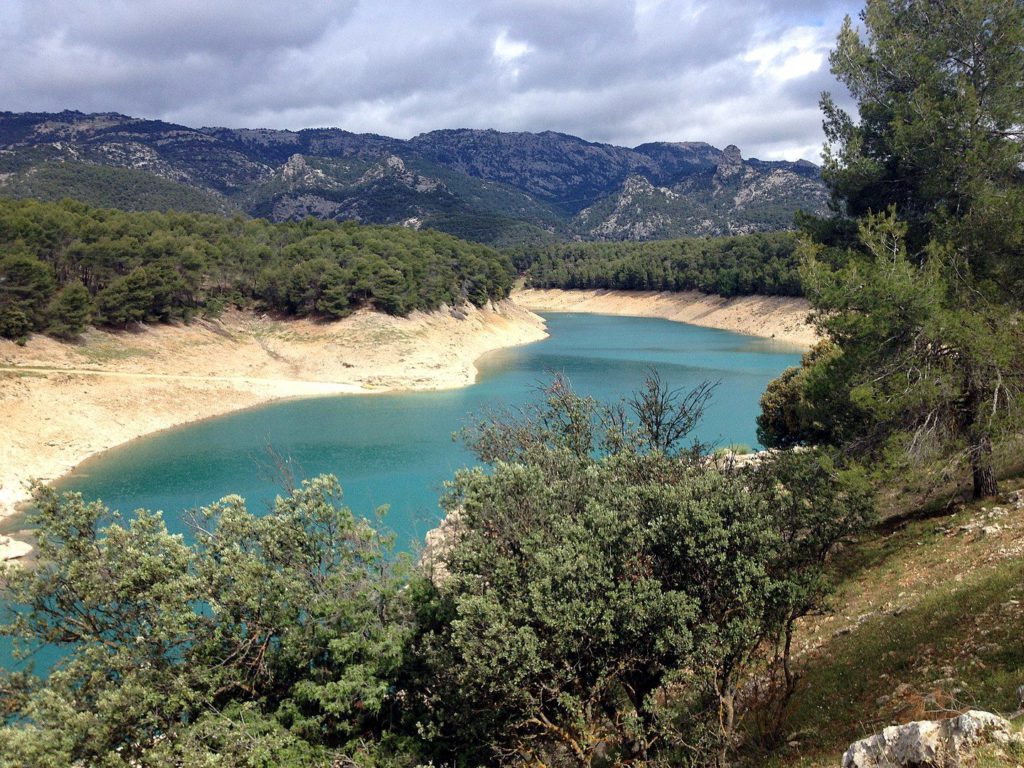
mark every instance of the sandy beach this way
{"type": "Point", "coordinates": [776, 317]}
{"type": "Point", "coordinates": [62, 403]}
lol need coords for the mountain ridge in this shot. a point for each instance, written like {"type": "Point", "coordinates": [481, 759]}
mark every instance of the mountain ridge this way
{"type": "Point", "coordinates": [498, 187]}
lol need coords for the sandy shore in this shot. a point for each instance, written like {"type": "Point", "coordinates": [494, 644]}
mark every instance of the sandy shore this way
{"type": "Point", "coordinates": [61, 403]}
{"type": "Point", "coordinates": [775, 317]}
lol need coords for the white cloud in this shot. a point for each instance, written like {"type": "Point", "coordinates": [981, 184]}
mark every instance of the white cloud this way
{"type": "Point", "coordinates": [799, 52]}
{"type": "Point", "coordinates": [507, 51]}
{"type": "Point", "coordinates": [619, 71]}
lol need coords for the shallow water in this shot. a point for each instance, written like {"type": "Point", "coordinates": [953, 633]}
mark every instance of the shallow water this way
{"type": "Point", "coordinates": [397, 448]}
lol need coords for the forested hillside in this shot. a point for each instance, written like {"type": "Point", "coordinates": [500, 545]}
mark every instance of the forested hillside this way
{"type": "Point", "coordinates": [67, 265]}
{"type": "Point", "coordinates": [726, 266]}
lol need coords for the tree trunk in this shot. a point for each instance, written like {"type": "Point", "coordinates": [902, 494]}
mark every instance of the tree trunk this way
{"type": "Point", "coordinates": [983, 472]}
{"type": "Point", "coordinates": [727, 720]}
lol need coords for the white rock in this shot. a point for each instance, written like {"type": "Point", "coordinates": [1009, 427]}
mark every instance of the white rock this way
{"type": "Point", "coordinates": [12, 549]}
{"type": "Point", "coordinates": [929, 743]}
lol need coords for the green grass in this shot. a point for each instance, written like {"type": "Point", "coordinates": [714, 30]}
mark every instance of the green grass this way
{"type": "Point", "coordinates": [996, 757]}
{"type": "Point", "coordinates": [912, 648]}
{"type": "Point", "coordinates": [105, 353]}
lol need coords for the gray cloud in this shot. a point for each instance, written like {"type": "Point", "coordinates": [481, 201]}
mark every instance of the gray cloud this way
{"type": "Point", "coordinates": [738, 72]}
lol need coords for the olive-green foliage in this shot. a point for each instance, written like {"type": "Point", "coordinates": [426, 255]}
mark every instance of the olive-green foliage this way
{"type": "Point", "coordinates": [937, 87]}
{"type": "Point", "coordinates": [129, 189]}
{"type": "Point", "coordinates": [810, 404]}
{"type": "Point", "coordinates": [155, 267]}
{"type": "Point", "coordinates": [726, 266]}
{"type": "Point", "coordinates": [14, 323]}
{"type": "Point", "coordinates": [609, 591]}
{"type": "Point", "coordinates": [272, 638]}
{"type": "Point", "coordinates": [26, 287]}
{"type": "Point", "coordinates": [607, 596]}
{"type": "Point", "coordinates": [929, 369]}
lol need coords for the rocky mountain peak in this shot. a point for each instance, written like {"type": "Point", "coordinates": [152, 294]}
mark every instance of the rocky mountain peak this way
{"type": "Point", "coordinates": [730, 164]}
{"type": "Point", "coordinates": [637, 185]}
{"type": "Point", "coordinates": [393, 167]}
{"type": "Point", "coordinates": [299, 173]}
{"type": "Point", "coordinates": [295, 168]}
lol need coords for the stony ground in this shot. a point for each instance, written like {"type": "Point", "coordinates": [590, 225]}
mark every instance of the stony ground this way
{"type": "Point", "coordinates": [928, 621]}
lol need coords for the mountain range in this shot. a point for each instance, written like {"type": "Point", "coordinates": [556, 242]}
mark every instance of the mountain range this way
{"type": "Point", "coordinates": [484, 185]}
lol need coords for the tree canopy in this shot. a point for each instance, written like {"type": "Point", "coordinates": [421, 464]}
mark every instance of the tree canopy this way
{"type": "Point", "coordinates": [272, 638]}
{"type": "Point", "coordinates": [917, 280]}
{"type": "Point", "coordinates": [726, 266]}
{"type": "Point", "coordinates": [156, 267]}
{"type": "Point", "coordinates": [609, 591]}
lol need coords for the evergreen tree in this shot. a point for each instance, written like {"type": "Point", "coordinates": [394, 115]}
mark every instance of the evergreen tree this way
{"type": "Point", "coordinates": [26, 285]}
{"type": "Point", "coordinates": [153, 267]}
{"type": "Point", "coordinates": [126, 300]}
{"type": "Point", "coordinates": [70, 311]}
{"type": "Point", "coordinates": [923, 298]}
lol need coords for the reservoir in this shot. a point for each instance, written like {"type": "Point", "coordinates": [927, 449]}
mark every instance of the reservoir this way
{"type": "Point", "coordinates": [397, 449]}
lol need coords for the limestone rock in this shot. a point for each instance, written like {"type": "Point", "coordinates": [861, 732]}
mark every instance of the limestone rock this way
{"type": "Point", "coordinates": [12, 549]}
{"type": "Point", "coordinates": [930, 743]}
{"type": "Point", "coordinates": [437, 545]}
{"type": "Point", "coordinates": [731, 163]}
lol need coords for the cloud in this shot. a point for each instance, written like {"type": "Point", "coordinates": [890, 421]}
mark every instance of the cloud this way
{"type": "Point", "coordinates": [623, 72]}
{"type": "Point", "coordinates": [158, 29]}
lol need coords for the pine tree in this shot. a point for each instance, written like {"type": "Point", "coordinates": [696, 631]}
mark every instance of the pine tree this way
{"type": "Point", "coordinates": [70, 311]}
{"type": "Point", "coordinates": [924, 303]}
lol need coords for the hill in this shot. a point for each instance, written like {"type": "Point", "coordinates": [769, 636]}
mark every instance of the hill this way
{"type": "Point", "coordinates": [926, 622]}
{"type": "Point", "coordinates": [64, 265]}
{"type": "Point", "coordinates": [492, 187]}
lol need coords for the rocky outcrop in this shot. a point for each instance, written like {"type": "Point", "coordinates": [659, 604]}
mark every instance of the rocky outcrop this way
{"type": "Point", "coordinates": [394, 168]}
{"type": "Point", "coordinates": [485, 185]}
{"type": "Point", "coordinates": [13, 549]}
{"type": "Point", "coordinates": [932, 743]}
{"type": "Point", "coordinates": [437, 545]}
{"type": "Point", "coordinates": [731, 163]}
{"type": "Point", "coordinates": [299, 172]}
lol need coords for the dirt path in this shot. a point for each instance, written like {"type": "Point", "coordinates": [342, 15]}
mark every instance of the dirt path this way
{"type": "Point", "coordinates": [314, 387]}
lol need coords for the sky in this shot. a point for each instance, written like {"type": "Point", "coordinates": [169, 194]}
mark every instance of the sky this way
{"type": "Point", "coordinates": [618, 71]}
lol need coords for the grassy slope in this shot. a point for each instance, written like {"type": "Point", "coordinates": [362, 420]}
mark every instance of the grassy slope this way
{"type": "Point", "coordinates": [928, 621]}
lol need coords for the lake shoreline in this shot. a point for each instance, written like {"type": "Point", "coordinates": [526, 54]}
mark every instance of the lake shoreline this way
{"type": "Point", "coordinates": [64, 403]}
{"type": "Point", "coordinates": [782, 318]}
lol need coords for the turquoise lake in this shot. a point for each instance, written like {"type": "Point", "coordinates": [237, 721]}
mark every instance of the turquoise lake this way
{"type": "Point", "coordinates": [397, 448]}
